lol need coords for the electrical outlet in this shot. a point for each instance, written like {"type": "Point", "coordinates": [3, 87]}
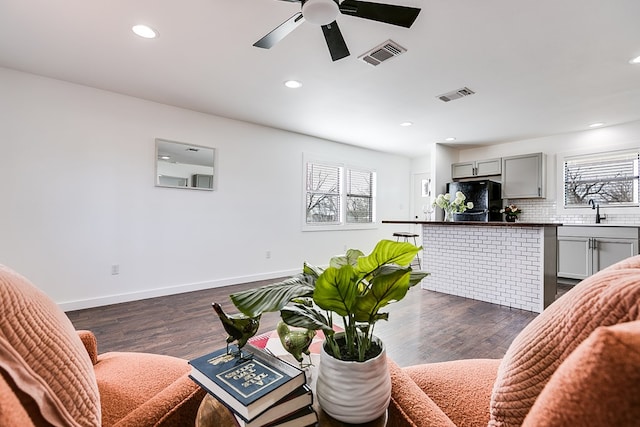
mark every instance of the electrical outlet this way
{"type": "Point", "coordinates": [115, 269]}
{"type": "Point", "coordinates": [267, 255]}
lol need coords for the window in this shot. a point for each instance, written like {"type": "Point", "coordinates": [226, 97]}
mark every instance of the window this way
{"type": "Point", "coordinates": [610, 179]}
{"type": "Point", "coordinates": [323, 194]}
{"type": "Point", "coordinates": [336, 195]}
{"type": "Point", "coordinates": [359, 196]}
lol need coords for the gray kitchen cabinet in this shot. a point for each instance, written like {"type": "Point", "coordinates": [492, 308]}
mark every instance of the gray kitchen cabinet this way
{"type": "Point", "coordinates": [585, 250]}
{"type": "Point", "coordinates": [523, 176]}
{"type": "Point", "coordinates": [476, 168]}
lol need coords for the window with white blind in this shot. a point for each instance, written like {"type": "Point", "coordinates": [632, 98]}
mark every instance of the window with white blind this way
{"type": "Point", "coordinates": [359, 196]}
{"type": "Point", "coordinates": [337, 195]}
{"type": "Point", "coordinates": [610, 179]}
{"type": "Point", "coordinates": [324, 194]}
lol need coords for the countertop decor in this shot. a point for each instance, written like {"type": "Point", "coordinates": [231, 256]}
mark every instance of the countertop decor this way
{"type": "Point", "coordinates": [457, 205]}
{"type": "Point", "coordinates": [511, 212]}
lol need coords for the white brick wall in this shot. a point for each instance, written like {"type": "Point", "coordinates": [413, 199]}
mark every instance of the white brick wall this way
{"type": "Point", "coordinates": [502, 265]}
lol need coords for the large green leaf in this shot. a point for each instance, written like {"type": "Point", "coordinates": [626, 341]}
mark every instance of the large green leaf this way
{"type": "Point", "coordinates": [312, 270]}
{"type": "Point", "coordinates": [389, 285]}
{"type": "Point", "coordinates": [388, 252]}
{"type": "Point", "coordinates": [416, 277]}
{"type": "Point", "coordinates": [350, 258]}
{"type": "Point", "coordinates": [336, 290]}
{"type": "Point", "coordinates": [275, 296]}
{"type": "Point", "coordinates": [305, 317]}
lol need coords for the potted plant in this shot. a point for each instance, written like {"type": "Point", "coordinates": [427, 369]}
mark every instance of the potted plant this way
{"type": "Point", "coordinates": [511, 212]}
{"type": "Point", "coordinates": [355, 288]}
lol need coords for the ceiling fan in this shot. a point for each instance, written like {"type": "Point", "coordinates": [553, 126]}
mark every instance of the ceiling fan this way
{"type": "Point", "coordinates": [324, 12]}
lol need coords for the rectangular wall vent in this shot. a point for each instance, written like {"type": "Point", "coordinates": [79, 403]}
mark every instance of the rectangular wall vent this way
{"type": "Point", "coordinates": [456, 94]}
{"type": "Point", "coordinates": [382, 52]}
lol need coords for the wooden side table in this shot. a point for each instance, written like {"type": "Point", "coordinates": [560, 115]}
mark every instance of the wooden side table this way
{"type": "Point", "coordinates": [212, 413]}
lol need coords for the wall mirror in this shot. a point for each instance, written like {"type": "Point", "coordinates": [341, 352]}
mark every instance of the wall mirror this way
{"type": "Point", "coordinates": [180, 165]}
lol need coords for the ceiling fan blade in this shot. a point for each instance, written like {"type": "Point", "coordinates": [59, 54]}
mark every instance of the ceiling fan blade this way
{"type": "Point", "coordinates": [335, 42]}
{"type": "Point", "coordinates": [280, 32]}
{"type": "Point", "coordinates": [402, 16]}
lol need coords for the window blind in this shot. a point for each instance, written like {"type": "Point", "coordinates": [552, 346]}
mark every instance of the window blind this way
{"type": "Point", "coordinates": [359, 196]}
{"type": "Point", "coordinates": [323, 193]}
{"type": "Point", "coordinates": [610, 179]}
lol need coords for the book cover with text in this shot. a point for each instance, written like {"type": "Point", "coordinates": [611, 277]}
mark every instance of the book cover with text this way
{"type": "Point", "coordinates": [247, 386]}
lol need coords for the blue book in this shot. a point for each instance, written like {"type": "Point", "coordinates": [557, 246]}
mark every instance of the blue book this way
{"type": "Point", "coordinates": [246, 386]}
{"type": "Point", "coordinates": [292, 402]}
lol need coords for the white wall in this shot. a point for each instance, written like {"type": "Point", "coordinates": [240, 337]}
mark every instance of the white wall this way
{"type": "Point", "coordinates": [441, 159]}
{"type": "Point", "coordinates": [78, 196]}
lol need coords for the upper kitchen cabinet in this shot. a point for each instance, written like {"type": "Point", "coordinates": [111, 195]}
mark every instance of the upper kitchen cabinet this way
{"type": "Point", "coordinates": [523, 176]}
{"type": "Point", "coordinates": [477, 168]}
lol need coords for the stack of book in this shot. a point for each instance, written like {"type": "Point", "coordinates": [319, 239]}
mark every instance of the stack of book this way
{"type": "Point", "coordinates": [261, 390]}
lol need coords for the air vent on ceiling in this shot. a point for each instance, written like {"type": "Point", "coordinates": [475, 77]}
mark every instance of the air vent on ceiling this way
{"type": "Point", "coordinates": [381, 53]}
{"type": "Point", "coordinates": [456, 94]}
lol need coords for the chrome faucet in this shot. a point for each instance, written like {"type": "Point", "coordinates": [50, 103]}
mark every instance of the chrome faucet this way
{"type": "Point", "coordinates": [595, 206]}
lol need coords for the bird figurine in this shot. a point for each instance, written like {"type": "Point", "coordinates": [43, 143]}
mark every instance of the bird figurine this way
{"type": "Point", "coordinates": [239, 327]}
{"type": "Point", "coordinates": [296, 342]}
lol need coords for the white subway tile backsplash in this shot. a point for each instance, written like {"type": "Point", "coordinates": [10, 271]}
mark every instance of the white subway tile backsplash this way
{"type": "Point", "coordinates": [542, 210]}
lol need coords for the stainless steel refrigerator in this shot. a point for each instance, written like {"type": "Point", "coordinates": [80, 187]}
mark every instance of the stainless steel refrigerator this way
{"type": "Point", "coordinates": [486, 197]}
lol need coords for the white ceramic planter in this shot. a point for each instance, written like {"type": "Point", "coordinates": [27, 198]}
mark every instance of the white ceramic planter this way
{"type": "Point", "coordinates": [353, 392]}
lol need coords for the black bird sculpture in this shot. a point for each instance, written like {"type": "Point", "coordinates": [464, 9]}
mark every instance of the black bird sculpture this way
{"type": "Point", "coordinates": [239, 327]}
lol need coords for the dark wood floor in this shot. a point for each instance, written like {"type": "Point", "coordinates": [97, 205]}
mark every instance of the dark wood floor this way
{"type": "Point", "coordinates": [424, 327]}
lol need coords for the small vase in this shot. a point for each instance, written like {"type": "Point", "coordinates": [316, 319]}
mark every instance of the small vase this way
{"type": "Point", "coordinates": [448, 216]}
{"type": "Point", "coordinates": [510, 218]}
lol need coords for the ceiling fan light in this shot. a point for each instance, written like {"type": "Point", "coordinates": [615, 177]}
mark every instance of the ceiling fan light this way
{"type": "Point", "coordinates": [320, 12]}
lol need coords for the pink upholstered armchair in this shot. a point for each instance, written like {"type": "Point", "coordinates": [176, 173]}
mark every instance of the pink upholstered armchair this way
{"type": "Point", "coordinates": [51, 374]}
{"type": "Point", "coordinates": [576, 364]}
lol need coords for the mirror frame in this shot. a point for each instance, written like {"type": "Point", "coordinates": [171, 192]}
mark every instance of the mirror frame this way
{"type": "Point", "coordinates": [198, 159]}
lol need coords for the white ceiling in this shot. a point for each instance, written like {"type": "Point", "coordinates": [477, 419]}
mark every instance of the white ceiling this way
{"type": "Point", "coordinates": [538, 67]}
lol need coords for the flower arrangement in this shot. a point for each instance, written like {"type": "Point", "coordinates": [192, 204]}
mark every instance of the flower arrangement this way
{"type": "Point", "coordinates": [457, 205]}
{"type": "Point", "coordinates": [511, 210]}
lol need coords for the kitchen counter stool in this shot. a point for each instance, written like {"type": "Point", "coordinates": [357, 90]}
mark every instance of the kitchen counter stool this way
{"type": "Point", "coordinates": [404, 235]}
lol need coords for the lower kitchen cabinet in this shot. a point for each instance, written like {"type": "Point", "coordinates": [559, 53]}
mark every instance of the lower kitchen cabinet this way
{"type": "Point", "coordinates": [584, 250]}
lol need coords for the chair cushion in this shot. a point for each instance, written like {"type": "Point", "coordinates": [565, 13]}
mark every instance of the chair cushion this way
{"type": "Point", "coordinates": [43, 356]}
{"type": "Point", "coordinates": [460, 388]}
{"type": "Point", "coordinates": [598, 384]}
{"type": "Point", "coordinates": [145, 389]}
{"type": "Point", "coordinates": [609, 297]}
{"type": "Point", "coordinates": [12, 411]}
{"type": "Point", "coordinates": [409, 405]}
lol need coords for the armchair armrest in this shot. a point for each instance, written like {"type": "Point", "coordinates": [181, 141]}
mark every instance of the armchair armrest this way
{"type": "Point", "coordinates": [90, 343]}
{"type": "Point", "coordinates": [410, 406]}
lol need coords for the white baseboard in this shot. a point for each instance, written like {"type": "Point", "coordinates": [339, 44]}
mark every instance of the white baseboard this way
{"type": "Point", "coordinates": [170, 290]}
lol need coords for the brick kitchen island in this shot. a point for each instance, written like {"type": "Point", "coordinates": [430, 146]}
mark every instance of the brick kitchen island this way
{"type": "Point", "coordinates": [507, 263]}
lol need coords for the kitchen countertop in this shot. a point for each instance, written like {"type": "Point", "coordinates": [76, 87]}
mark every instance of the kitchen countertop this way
{"type": "Point", "coordinates": [477, 223]}
{"type": "Point", "coordinates": [601, 225]}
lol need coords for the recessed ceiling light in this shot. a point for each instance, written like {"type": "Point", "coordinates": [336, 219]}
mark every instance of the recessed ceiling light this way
{"type": "Point", "coordinates": [165, 157]}
{"type": "Point", "coordinates": [293, 84]}
{"type": "Point", "coordinates": [635, 60]}
{"type": "Point", "coordinates": [145, 31]}
{"type": "Point", "coordinates": [450, 139]}
{"type": "Point", "coordinates": [596, 125]}
{"type": "Point", "coordinates": [406, 124]}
